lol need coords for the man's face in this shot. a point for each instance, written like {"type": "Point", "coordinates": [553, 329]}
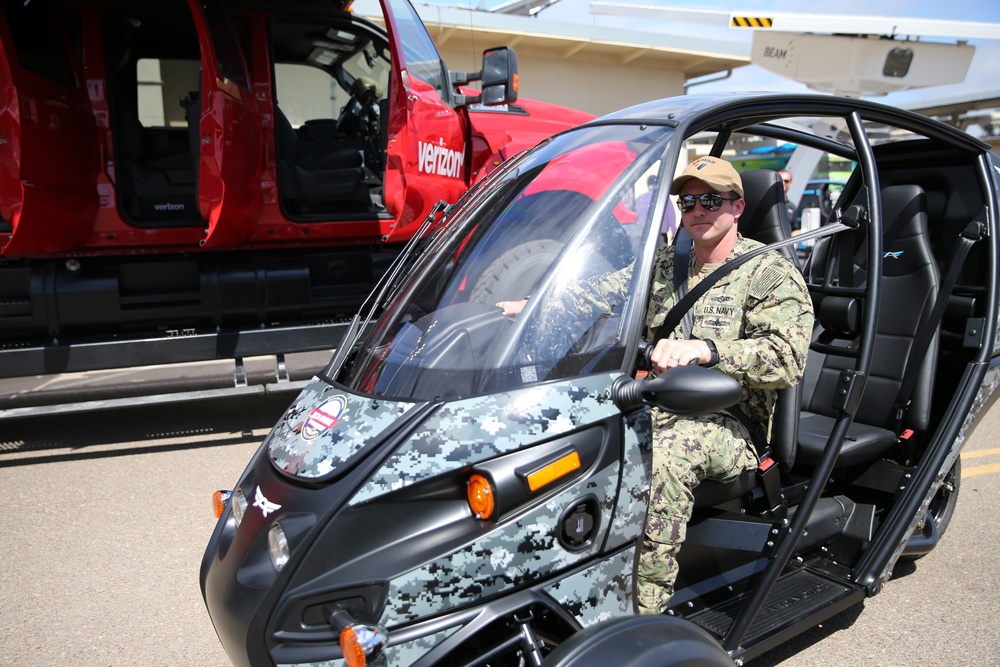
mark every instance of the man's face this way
{"type": "Point", "coordinates": [710, 226]}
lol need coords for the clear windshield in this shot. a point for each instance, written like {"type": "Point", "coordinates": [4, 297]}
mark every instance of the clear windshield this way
{"type": "Point", "coordinates": [557, 236]}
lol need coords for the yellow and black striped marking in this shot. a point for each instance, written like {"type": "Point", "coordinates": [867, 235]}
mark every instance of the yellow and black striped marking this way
{"type": "Point", "coordinates": [751, 22]}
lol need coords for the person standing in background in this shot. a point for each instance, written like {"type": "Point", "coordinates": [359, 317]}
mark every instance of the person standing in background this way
{"type": "Point", "coordinates": [786, 182]}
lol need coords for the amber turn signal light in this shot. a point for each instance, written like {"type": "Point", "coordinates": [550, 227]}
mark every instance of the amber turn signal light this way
{"type": "Point", "coordinates": [481, 496]}
{"type": "Point", "coordinates": [553, 471]}
{"type": "Point", "coordinates": [361, 644]}
{"type": "Point", "coordinates": [219, 500]}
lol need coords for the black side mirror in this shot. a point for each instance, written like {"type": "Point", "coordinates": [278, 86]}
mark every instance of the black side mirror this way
{"type": "Point", "coordinates": [499, 76]}
{"type": "Point", "coordinates": [685, 390]}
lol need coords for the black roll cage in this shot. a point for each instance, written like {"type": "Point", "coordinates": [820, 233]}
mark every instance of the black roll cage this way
{"type": "Point", "coordinates": [889, 541]}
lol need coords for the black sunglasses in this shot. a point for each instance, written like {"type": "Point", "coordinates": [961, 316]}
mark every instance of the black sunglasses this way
{"type": "Point", "coordinates": [710, 201]}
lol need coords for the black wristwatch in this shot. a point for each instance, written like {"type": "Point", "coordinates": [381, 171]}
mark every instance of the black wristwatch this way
{"type": "Point", "coordinates": [715, 353]}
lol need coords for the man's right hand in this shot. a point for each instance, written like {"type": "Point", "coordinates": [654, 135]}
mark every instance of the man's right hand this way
{"type": "Point", "coordinates": [669, 353]}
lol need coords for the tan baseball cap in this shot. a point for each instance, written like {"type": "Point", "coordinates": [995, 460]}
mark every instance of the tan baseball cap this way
{"type": "Point", "coordinates": [715, 172]}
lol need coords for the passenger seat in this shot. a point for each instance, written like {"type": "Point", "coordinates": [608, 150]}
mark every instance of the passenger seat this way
{"type": "Point", "coordinates": [909, 287]}
{"type": "Point", "coordinates": [765, 216]}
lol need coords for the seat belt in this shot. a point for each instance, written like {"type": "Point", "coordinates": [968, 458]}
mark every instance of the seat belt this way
{"type": "Point", "coordinates": [682, 262]}
{"type": "Point", "coordinates": [683, 306]}
{"type": "Point", "coordinates": [972, 234]}
{"type": "Point", "coordinates": [681, 314]}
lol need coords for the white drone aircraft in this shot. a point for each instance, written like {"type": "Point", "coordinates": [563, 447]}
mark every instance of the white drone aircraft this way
{"type": "Point", "coordinates": [874, 55]}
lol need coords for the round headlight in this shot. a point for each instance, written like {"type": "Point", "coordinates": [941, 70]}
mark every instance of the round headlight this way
{"type": "Point", "coordinates": [277, 546]}
{"type": "Point", "coordinates": [239, 503]}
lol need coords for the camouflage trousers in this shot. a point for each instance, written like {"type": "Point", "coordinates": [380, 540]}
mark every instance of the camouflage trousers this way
{"type": "Point", "coordinates": [686, 450]}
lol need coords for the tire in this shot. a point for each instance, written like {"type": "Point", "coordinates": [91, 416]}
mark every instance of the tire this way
{"type": "Point", "coordinates": [941, 509]}
{"type": "Point", "coordinates": [515, 274]}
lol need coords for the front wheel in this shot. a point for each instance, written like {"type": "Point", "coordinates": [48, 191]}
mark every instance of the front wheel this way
{"type": "Point", "coordinates": [640, 641]}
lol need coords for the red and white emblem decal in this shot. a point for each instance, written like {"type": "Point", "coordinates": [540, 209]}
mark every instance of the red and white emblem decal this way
{"type": "Point", "coordinates": [324, 417]}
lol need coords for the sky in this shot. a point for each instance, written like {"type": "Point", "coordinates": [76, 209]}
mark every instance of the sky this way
{"type": "Point", "coordinates": [983, 76]}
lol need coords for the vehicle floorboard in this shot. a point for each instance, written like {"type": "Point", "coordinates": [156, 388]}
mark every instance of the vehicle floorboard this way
{"type": "Point", "coordinates": [800, 598]}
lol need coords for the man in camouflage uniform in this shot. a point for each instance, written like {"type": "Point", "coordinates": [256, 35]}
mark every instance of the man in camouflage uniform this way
{"type": "Point", "coordinates": [753, 325]}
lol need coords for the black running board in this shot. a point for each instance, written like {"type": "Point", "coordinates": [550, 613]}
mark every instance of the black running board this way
{"type": "Point", "coordinates": [799, 600]}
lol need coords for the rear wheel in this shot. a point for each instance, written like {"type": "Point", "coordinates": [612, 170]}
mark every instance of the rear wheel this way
{"type": "Point", "coordinates": [941, 509]}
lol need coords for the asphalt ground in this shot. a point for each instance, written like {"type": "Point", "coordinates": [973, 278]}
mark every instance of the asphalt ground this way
{"type": "Point", "coordinates": [106, 516]}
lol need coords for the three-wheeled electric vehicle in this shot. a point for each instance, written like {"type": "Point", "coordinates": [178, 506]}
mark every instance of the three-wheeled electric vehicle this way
{"type": "Point", "coordinates": [458, 487]}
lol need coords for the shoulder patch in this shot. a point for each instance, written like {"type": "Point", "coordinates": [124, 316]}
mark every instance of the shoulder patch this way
{"type": "Point", "coordinates": [767, 280]}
